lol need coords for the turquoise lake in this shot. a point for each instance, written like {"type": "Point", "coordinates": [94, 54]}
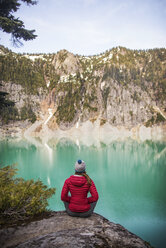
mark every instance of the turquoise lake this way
{"type": "Point", "coordinates": [130, 177]}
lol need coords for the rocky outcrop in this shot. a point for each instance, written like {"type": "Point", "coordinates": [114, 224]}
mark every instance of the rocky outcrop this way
{"type": "Point", "coordinates": [120, 87]}
{"type": "Point", "coordinates": [61, 230]}
{"type": "Point", "coordinates": [65, 62]}
{"type": "Point", "coordinates": [18, 95]}
{"type": "Point", "coordinates": [128, 106]}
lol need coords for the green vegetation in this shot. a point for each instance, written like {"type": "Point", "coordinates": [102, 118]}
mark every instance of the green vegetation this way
{"type": "Point", "coordinates": [102, 122]}
{"type": "Point", "coordinates": [27, 113]}
{"type": "Point", "coordinates": [7, 109]}
{"type": "Point", "coordinates": [114, 119]}
{"type": "Point", "coordinates": [113, 72]}
{"type": "Point", "coordinates": [79, 90]}
{"type": "Point", "coordinates": [136, 97]}
{"type": "Point", "coordinates": [131, 113]}
{"type": "Point", "coordinates": [159, 118]}
{"type": "Point", "coordinates": [156, 119]}
{"type": "Point", "coordinates": [11, 24]}
{"type": "Point", "coordinates": [105, 94]}
{"type": "Point", "coordinates": [139, 67]}
{"type": "Point", "coordinates": [62, 55]}
{"type": "Point", "coordinates": [9, 113]}
{"type": "Point", "coordinates": [3, 100]}
{"type": "Point", "coordinates": [21, 70]}
{"type": "Point", "coordinates": [69, 103]}
{"type": "Point", "coordinates": [20, 199]}
{"type": "Point", "coordinates": [89, 107]}
{"type": "Point", "coordinates": [66, 110]}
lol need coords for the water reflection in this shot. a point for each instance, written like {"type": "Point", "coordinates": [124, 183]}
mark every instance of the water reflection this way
{"type": "Point", "coordinates": [160, 154]}
{"type": "Point", "coordinates": [129, 175]}
{"type": "Point", "coordinates": [48, 181]}
{"type": "Point", "coordinates": [49, 151]}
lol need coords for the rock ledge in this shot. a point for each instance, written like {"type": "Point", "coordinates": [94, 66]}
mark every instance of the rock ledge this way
{"type": "Point", "coordinates": [61, 230]}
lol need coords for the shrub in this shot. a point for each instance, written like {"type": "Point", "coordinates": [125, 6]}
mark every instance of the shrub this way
{"type": "Point", "coordinates": [159, 118]}
{"type": "Point", "coordinates": [155, 120]}
{"type": "Point", "coordinates": [102, 122]}
{"type": "Point", "coordinates": [27, 113]}
{"type": "Point", "coordinates": [9, 113]}
{"type": "Point", "coordinates": [105, 94]}
{"type": "Point", "coordinates": [20, 199]}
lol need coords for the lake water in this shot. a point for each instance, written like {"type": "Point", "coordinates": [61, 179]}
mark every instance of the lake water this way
{"type": "Point", "coordinates": [130, 177]}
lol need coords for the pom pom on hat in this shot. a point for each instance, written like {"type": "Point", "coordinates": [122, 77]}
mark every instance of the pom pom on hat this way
{"type": "Point", "coordinates": [80, 166]}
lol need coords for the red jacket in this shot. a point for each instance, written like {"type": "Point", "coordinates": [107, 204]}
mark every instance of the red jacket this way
{"type": "Point", "coordinates": [79, 188]}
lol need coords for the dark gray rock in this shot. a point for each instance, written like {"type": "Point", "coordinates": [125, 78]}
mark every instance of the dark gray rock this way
{"type": "Point", "coordinates": [61, 230]}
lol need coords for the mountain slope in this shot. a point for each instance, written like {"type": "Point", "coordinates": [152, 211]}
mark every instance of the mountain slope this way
{"type": "Point", "coordinates": [121, 86]}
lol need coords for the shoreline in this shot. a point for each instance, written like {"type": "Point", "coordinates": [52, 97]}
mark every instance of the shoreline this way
{"type": "Point", "coordinates": [87, 133]}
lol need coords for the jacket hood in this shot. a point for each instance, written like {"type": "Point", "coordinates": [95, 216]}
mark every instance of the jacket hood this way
{"type": "Point", "coordinates": [78, 180]}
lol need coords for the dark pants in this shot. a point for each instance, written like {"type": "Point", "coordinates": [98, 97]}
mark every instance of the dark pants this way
{"type": "Point", "coordinates": [78, 214]}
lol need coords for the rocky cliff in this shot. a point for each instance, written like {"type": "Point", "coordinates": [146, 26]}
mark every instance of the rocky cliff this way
{"type": "Point", "coordinates": [61, 230]}
{"type": "Point", "coordinates": [121, 87]}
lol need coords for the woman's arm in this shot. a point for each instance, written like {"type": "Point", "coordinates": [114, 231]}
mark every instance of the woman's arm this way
{"type": "Point", "coordinates": [64, 193]}
{"type": "Point", "coordinates": [94, 194]}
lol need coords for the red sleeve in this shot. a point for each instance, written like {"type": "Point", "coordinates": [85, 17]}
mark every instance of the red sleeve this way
{"type": "Point", "coordinates": [64, 193]}
{"type": "Point", "coordinates": [94, 194]}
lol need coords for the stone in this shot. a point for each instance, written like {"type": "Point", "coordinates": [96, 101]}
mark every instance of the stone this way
{"type": "Point", "coordinates": [61, 230]}
{"type": "Point", "coordinates": [95, 90]}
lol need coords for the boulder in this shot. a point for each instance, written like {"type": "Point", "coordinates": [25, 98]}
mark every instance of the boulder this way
{"type": "Point", "coordinates": [61, 230]}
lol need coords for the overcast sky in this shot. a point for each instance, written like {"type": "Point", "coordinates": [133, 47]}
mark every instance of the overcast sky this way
{"type": "Point", "coordinates": [90, 27]}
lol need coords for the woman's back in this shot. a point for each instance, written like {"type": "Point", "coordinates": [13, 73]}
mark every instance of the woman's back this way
{"type": "Point", "coordinates": [79, 185]}
{"type": "Point", "coordinates": [78, 188]}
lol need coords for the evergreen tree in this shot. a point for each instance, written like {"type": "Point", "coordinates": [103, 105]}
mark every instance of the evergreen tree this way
{"type": "Point", "coordinates": [3, 101]}
{"type": "Point", "coordinates": [7, 109]}
{"type": "Point", "coordinates": [12, 25]}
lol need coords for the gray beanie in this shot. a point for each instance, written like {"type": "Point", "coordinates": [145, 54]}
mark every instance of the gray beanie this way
{"type": "Point", "coordinates": [80, 166]}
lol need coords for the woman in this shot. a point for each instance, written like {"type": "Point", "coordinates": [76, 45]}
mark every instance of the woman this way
{"type": "Point", "coordinates": [78, 204]}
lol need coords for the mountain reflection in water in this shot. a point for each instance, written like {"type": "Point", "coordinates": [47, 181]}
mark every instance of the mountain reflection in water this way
{"type": "Point", "coordinates": [130, 177]}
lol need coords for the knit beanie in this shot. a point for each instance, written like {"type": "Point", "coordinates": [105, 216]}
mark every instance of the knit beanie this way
{"type": "Point", "coordinates": [80, 166]}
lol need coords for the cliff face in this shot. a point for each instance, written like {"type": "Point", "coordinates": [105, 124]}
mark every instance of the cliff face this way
{"type": "Point", "coordinates": [121, 86]}
{"type": "Point", "coordinates": [61, 230]}
{"type": "Point", "coordinates": [18, 95]}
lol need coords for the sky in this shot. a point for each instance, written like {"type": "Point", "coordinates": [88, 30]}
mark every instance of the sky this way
{"type": "Point", "coordinates": [89, 27]}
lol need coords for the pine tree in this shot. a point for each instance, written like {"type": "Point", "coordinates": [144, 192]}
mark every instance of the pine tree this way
{"type": "Point", "coordinates": [12, 25]}
{"type": "Point", "coordinates": [3, 101]}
